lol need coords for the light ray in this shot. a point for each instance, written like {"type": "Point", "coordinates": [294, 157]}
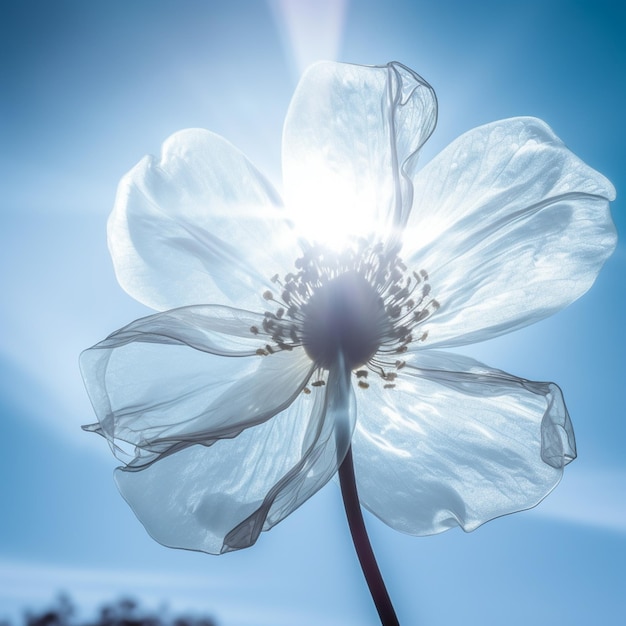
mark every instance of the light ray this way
{"type": "Point", "coordinates": [593, 498]}
{"type": "Point", "coordinates": [311, 30]}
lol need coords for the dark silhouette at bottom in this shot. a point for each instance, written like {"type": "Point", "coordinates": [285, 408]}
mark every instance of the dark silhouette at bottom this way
{"type": "Point", "coordinates": [122, 612]}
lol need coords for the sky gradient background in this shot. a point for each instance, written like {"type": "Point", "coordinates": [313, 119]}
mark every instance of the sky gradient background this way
{"type": "Point", "coordinates": [88, 88]}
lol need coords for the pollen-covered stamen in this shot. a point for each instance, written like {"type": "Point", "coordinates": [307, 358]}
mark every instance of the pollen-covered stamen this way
{"type": "Point", "coordinates": [362, 303]}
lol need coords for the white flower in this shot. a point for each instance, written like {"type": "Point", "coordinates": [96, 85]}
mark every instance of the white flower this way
{"type": "Point", "coordinates": [288, 335]}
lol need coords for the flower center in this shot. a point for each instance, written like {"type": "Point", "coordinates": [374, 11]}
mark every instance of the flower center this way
{"type": "Point", "coordinates": [362, 304]}
{"type": "Point", "coordinates": [344, 315]}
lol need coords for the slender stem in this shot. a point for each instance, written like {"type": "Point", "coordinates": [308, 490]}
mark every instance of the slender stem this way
{"type": "Point", "coordinates": [362, 544]}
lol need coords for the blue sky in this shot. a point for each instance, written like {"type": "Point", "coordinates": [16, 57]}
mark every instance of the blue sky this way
{"type": "Point", "coordinates": [88, 88]}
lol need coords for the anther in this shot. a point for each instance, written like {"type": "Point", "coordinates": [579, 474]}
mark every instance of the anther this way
{"type": "Point", "coordinates": [421, 315]}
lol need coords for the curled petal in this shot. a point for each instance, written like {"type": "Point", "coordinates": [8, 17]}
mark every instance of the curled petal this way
{"type": "Point", "coordinates": [458, 443]}
{"type": "Point", "coordinates": [198, 225]}
{"type": "Point", "coordinates": [219, 499]}
{"type": "Point", "coordinates": [191, 375]}
{"type": "Point", "coordinates": [510, 226]}
{"type": "Point", "coordinates": [350, 145]}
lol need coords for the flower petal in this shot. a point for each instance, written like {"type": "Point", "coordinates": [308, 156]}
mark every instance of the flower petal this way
{"type": "Point", "coordinates": [191, 375]}
{"type": "Point", "coordinates": [350, 146]}
{"type": "Point", "coordinates": [200, 225]}
{"type": "Point", "coordinates": [219, 499]}
{"type": "Point", "coordinates": [458, 443]}
{"type": "Point", "coordinates": [510, 226]}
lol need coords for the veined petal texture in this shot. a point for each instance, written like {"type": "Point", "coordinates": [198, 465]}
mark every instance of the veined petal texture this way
{"type": "Point", "coordinates": [510, 226]}
{"type": "Point", "coordinates": [458, 443]}
{"type": "Point", "coordinates": [199, 225]}
{"type": "Point", "coordinates": [350, 145]}
{"type": "Point", "coordinates": [186, 376]}
{"type": "Point", "coordinates": [219, 499]}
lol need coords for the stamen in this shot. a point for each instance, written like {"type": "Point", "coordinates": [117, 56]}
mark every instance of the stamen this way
{"type": "Point", "coordinates": [360, 302]}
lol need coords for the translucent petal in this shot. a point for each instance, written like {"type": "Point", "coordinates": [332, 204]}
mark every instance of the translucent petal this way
{"type": "Point", "coordinates": [220, 498]}
{"type": "Point", "coordinates": [186, 376]}
{"type": "Point", "coordinates": [199, 225]}
{"type": "Point", "coordinates": [458, 443]}
{"type": "Point", "coordinates": [510, 226]}
{"type": "Point", "coordinates": [350, 146]}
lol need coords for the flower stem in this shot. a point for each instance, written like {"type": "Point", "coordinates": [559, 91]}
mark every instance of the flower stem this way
{"type": "Point", "coordinates": [362, 544]}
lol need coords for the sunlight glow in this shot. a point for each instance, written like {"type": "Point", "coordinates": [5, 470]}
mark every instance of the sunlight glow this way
{"type": "Point", "coordinates": [336, 209]}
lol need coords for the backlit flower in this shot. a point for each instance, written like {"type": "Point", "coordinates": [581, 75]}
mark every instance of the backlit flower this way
{"type": "Point", "coordinates": [289, 332]}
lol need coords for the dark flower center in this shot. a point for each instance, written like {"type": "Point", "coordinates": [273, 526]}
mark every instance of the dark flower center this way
{"type": "Point", "coordinates": [346, 315]}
